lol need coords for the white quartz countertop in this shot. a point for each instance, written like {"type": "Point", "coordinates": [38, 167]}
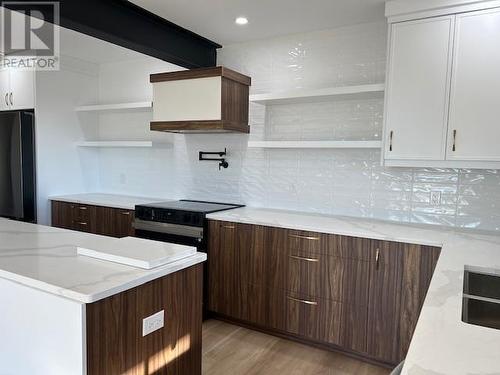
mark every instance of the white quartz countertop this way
{"type": "Point", "coordinates": [442, 343]}
{"type": "Point", "coordinates": [347, 226]}
{"type": "Point", "coordinates": [46, 258]}
{"type": "Point", "coordinates": [125, 202]}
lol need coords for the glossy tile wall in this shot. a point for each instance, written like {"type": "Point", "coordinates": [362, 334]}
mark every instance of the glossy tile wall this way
{"type": "Point", "coordinates": [343, 182]}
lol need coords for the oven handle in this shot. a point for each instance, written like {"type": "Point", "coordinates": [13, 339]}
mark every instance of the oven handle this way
{"type": "Point", "coordinates": [180, 230]}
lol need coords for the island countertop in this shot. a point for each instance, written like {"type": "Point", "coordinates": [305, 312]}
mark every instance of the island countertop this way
{"type": "Point", "coordinates": [442, 343]}
{"type": "Point", "coordinates": [46, 259]}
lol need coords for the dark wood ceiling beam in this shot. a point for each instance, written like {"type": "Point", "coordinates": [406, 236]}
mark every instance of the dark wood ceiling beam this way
{"type": "Point", "coordinates": [125, 24]}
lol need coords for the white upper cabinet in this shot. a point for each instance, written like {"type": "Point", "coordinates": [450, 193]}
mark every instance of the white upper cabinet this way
{"type": "Point", "coordinates": [418, 89]}
{"type": "Point", "coordinates": [4, 89]}
{"type": "Point", "coordinates": [22, 87]}
{"type": "Point", "coordinates": [443, 89]}
{"type": "Point", "coordinates": [17, 89]}
{"type": "Point", "coordinates": [474, 125]}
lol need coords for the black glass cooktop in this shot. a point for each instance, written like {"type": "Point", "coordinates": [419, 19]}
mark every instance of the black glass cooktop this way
{"type": "Point", "coordinates": [193, 206]}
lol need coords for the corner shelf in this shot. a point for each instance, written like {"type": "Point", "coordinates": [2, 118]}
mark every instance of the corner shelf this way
{"type": "Point", "coordinates": [316, 144]}
{"type": "Point", "coordinates": [121, 144]}
{"type": "Point", "coordinates": [311, 95]}
{"type": "Point", "coordinates": [115, 107]}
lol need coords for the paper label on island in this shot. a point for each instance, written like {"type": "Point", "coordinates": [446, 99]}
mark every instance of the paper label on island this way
{"type": "Point", "coordinates": [139, 253]}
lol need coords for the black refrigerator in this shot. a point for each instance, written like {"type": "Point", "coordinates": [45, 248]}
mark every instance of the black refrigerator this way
{"type": "Point", "coordinates": [17, 166]}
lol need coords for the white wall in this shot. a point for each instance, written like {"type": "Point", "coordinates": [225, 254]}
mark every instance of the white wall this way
{"type": "Point", "coordinates": [62, 167]}
{"type": "Point", "coordinates": [341, 182]}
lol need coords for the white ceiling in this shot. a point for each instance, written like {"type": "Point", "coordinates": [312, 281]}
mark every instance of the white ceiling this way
{"type": "Point", "coordinates": [214, 19]}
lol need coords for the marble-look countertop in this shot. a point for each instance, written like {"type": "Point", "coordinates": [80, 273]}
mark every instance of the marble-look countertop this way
{"type": "Point", "coordinates": [125, 202]}
{"type": "Point", "coordinates": [442, 344]}
{"type": "Point", "coordinates": [347, 226]}
{"type": "Point", "coordinates": [46, 258]}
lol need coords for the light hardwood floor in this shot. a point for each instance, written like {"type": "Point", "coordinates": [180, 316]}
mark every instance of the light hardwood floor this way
{"type": "Point", "coordinates": [233, 350]}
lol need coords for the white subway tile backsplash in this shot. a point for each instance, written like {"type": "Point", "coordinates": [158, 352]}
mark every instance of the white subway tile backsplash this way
{"type": "Point", "coordinates": [341, 182]}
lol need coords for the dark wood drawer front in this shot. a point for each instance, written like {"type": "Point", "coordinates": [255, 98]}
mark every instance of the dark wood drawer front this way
{"type": "Point", "coordinates": [323, 320]}
{"type": "Point", "coordinates": [81, 213]}
{"type": "Point", "coordinates": [306, 242]}
{"type": "Point", "coordinates": [293, 241]}
{"type": "Point", "coordinates": [337, 279]}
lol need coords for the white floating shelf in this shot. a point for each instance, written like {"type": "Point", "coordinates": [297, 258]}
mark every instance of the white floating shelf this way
{"type": "Point", "coordinates": [136, 144]}
{"type": "Point", "coordinates": [114, 107]}
{"type": "Point", "coordinates": [315, 144]}
{"type": "Point", "coordinates": [311, 95]}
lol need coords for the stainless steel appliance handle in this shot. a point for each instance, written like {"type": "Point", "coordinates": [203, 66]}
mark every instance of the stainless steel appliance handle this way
{"type": "Point", "coordinates": [176, 229]}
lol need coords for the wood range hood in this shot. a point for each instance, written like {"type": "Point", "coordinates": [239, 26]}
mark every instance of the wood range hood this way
{"type": "Point", "coordinates": [205, 100]}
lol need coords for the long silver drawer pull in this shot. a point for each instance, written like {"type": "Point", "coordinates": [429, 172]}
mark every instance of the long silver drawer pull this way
{"type": "Point", "coordinates": [377, 259]}
{"type": "Point", "coordinates": [305, 237]}
{"type": "Point", "coordinates": [81, 223]}
{"type": "Point", "coordinates": [126, 213]}
{"type": "Point", "coordinates": [312, 303]}
{"type": "Point", "coordinates": [312, 260]}
{"type": "Point", "coordinates": [228, 226]}
{"type": "Point", "coordinates": [82, 208]}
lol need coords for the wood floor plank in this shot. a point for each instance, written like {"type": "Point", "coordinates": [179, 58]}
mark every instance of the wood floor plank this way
{"type": "Point", "coordinates": [229, 349]}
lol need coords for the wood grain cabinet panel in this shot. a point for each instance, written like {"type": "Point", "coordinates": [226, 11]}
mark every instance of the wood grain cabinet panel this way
{"type": "Point", "coordinates": [62, 215]}
{"type": "Point", "coordinates": [115, 345]}
{"type": "Point", "coordinates": [399, 280]}
{"type": "Point", "coordinates": [123, 220]}
{"type": "Point", "coordinates": [105, 221]}
{"type": "Point", "coordinates": [235, 263]}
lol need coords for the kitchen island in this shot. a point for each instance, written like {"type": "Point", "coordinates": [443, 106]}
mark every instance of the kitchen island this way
{"type": "Point", "coordinates": [65, 313]}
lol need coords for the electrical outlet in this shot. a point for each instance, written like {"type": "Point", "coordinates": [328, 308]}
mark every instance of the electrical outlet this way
{"type": "Point", "coordinates": [153, 323]}
{"type": "Point", "coordinates": [435, 198]}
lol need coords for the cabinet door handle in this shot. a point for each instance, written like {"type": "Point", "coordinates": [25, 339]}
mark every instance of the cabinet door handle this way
{"type": "Point", "coordinates": [306, 302]}
{"type": "Point", "coordinates": [391, 136]}
{"type": "Point", "coordinates": [125, 213]}
{"type": "Point", "coordinates": [312, 260]}
{"type": "Point", "coordinates": [454, 148]}
{"type": "Point", "coordinates": [7, 99]}
{"type": "Point", "coordinates": [377, 259]}
{"type": "Point", "coordinates": [228, 226]}
{"type": "Point", "coordinates": [304, 237]}
{"type": "Point", "coordinates": [81, 223]}
{"type": "Point", "coordinates": [82, 208]}
{"type": "Point", "coordinates": [11, 100]}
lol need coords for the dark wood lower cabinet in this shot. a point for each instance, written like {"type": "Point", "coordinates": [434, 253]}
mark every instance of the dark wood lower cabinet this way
{"type": "Point", "coordinates": [105, 221]}
{"type": "Point", "coordinates": [115, 344]}
{"type": "Point", "coordinates": [359, 295]}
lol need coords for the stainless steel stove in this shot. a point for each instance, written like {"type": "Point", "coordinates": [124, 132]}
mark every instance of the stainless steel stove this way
{"type": "Point", "coordinates": [181, 221]}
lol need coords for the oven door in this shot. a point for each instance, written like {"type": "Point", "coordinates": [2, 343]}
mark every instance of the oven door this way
{"type": "Point", "coordinates": [166, 232]}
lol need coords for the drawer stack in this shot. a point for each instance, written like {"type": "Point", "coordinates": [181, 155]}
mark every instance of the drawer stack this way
{"type": "Point", "coordinates": [105, 221]}
{"type": "Point", "coordinates": [339, 291]}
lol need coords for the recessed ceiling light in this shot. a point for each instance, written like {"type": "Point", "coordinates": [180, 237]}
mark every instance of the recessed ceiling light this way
{"type": "Point", "coordinates": [241, 21]}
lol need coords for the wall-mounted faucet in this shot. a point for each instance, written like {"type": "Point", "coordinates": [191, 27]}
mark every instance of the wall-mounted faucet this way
{"type": "Point", "coordinates": [222, 161]}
